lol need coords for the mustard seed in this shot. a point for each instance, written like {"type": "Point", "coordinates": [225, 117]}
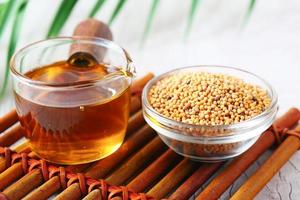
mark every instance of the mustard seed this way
{"type": "Point", "coordinates": [204, 98]}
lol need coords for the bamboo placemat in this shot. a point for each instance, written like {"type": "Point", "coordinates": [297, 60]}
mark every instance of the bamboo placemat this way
{"type": "Point", "coordinates": [142, 168]}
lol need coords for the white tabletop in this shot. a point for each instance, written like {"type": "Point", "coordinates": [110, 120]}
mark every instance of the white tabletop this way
{"type": "Point", "coordinates": [268, 45]}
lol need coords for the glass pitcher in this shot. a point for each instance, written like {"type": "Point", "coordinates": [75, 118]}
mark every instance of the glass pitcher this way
{"type": "Point", "coordinates": [72, 96]}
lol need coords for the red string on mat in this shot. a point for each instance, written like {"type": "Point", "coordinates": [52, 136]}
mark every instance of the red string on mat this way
{"type": "Point", "coordinates": [20, 158]}
{"type": "Point", "coordinates": [58, 171]}
{"type": "Point", "coordinates": [7, 156]}
{"type": "Point", "coordinates": [2, 197]}
{"type": "Point", "coordinates": [99, 184]}
{"type": "Point", "coordinates": [279, 133]}
{"type": "Point", "coordinates": [79, 177]}
{"type": "Point", "coordinates": [66, 178]}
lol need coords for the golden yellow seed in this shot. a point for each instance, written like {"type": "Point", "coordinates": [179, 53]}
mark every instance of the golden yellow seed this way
{"type": "Point", "coordinates": [206, 98]}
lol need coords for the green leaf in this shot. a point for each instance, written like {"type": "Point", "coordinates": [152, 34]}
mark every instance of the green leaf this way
{"type": "Point", "coordinates": [61, 17]}
{"type": "Point", "coordinates": [150, 18]}
{"type": "Point", "coordinates": [5, 14]}
{"type": "Point", "coordinates": [98, 5]}
{"type": "Point", "coordinates": [249, 11]}
{"type": "Point", "coordinates": [116, 11]}
{"type": "Point", "coordinates": [191, 17]}
{"type": "Point", "coordinates": [17, 22]}
{"type": "Point", "coordinates": [2, 8]}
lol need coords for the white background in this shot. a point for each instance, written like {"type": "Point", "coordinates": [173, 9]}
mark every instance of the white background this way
{"type": "Point", "coordinates": [267, 45]}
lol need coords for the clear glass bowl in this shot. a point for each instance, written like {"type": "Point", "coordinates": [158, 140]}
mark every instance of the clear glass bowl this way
{"type": "Point", "coordinates": [211, 143]}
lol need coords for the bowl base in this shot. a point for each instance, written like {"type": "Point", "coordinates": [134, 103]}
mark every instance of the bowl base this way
{"type": "Point", "coordinates": [211, 159]}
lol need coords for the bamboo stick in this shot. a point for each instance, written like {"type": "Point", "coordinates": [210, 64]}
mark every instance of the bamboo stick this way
{"type": "Point", "coordinates": [138, 85]}
{"type": "Point", "coordinates": [102, 167]}
{"type": "Point", "coordinates": [8, 120]}
{"type": "Point", "coordinates": [172, 179]}
{"type": "Point", "coordinates": [2, 165]}
{"type": "Point", "coordinates": [154, 171]}
{"type": "Point", "coordinates": [264, 174]}
{"type": "Point", "coordinates": [72, 192]}
{"type": "Point", "coordinates": [23, 147]}
{"type": "Point", "coordinates": [52, 185]}
{"type": "Point", "coordinates": [116, 198]}
{"type": "Point", "coordinates": [11, 174]}
{"type": "Point", "coordinates": [24, 185]}
{"type": "Point", "coordinates": [93, 195]}
{"type": "Point", "coordinates": [141, 82]}
{"type": "Point", "coordinates": [220, 183]}
{"type": "Point", "coordinates": [135, 122]}
{"type": "Point", "coordinates": [106, 165]}
{"type": "Point", "coordinates": [137, 162]}
{"type": "Point", "coordinates": [135, 104]}
{"type": "Point", "coordinates": [193, 183]}
{"type": "Point", "coordinates": [10, 136]}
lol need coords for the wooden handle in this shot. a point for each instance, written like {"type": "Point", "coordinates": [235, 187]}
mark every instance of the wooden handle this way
{"type": "Point", "coordinates": [91, 28]}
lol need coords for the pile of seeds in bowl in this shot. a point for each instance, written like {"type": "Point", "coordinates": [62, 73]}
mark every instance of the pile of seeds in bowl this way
{"type": "Point", "coordinates": [204, 98]}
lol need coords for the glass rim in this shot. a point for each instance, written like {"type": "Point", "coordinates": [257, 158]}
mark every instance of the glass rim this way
{"type": "Point", "coordinates": [170, 123]}
{"type": "Point", "coordinates": [87, 39]}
